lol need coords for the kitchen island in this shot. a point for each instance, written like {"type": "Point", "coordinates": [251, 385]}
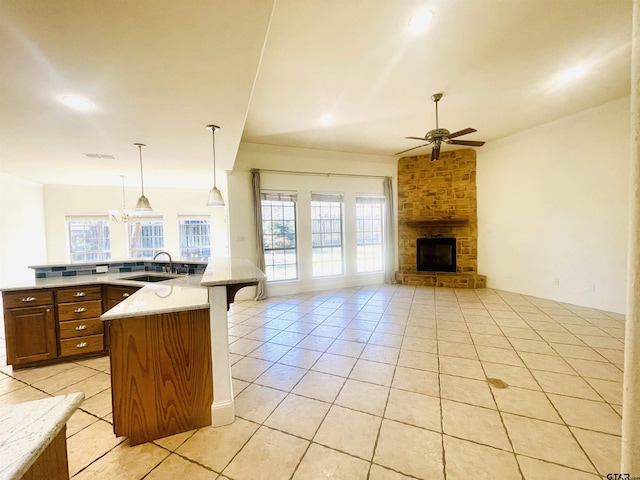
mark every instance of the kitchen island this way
{"type": "Point", "coordinates": [172, 362]}
{"type": "Point", "coordinates": [169, 353]}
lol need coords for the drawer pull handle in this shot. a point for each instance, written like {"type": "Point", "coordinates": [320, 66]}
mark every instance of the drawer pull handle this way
{"type": "Point", "coordinates": [29, 299]}
{"type": "Point", "coordinates": [81, 327]}
{"type": "Point", "coordinates": [125, 295]}
{"type": "Point", "coordinates": [79, 294]}
{"type": "Point", "coordinates": [82, 345]}
{"type": "Point", "coordinates": [80, 310]}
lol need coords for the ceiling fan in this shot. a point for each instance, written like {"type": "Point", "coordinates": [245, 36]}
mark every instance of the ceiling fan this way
{"type": "Point", "coordinates": [440, 135]}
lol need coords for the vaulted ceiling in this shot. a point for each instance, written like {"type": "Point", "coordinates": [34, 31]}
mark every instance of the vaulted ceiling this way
{"type": "Point", "coordinates": [267, 72]}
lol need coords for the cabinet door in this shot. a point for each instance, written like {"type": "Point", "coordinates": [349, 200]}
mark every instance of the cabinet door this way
{"type": "Point", "coordinates": [31, 334]}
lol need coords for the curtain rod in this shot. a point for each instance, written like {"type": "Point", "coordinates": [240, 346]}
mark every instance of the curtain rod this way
{"type": "Point", "coordinates": [292, 172]}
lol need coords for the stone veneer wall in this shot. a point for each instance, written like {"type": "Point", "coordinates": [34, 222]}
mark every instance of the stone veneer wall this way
{"type": "Point", "coordinates": [438, 200]}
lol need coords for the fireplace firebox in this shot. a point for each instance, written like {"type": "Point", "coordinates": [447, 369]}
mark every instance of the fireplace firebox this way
{"type": "Point", "coordinates": [436, 255]}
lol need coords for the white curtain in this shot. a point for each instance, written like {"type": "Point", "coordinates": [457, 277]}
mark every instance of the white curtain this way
{"type": "Point", "coordinates": [389, 233]}
{"type": "Point", "coordinates": [261, 288]}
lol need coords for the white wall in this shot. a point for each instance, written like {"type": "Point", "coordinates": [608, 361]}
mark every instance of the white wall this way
{"type": "Point", "coordinates": [22, 231]}
{"type": "Point", "coordinates": [242, 232]}
{"type": "Point", "coordinates": [553, 204]}
{"type": "Point", "coordinates": [60, 200]}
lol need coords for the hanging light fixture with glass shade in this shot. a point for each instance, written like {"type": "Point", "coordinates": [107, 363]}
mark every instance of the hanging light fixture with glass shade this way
{"type": "Point", "coordinates": [124, 215]}
{"type": "Point", "coordinates": [143, 204]}
{"type": "Point", "coordinates": [215, 197]}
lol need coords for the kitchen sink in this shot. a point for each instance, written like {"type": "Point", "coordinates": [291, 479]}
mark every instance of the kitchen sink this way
{"type": "Point", "coordinates": [153, 277]}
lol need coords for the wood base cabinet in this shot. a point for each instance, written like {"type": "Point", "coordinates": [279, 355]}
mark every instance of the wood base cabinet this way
{"type": "Point", "coordinates": [30, 326]}
{"type": "Point", "coordinates": [161, 379]}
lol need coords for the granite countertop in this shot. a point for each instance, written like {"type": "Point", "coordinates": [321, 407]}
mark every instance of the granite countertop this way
{"type": "Point", "coordinates": [163, 259]}
{"type": "Point", "coordinates": [227, 271]}
{"type": "Point", "coordinates": [180, 294]}
{"type": "Point", "coordinates": [161, 297]}
{"type": "Point", "coordinates": [184, 292]}
{"type": "Point", "coordinates": [115, 278]}
{"type": "Point", "coordinates": [26, 429]}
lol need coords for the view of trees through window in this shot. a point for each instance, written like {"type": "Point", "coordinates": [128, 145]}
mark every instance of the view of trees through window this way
{"type": "Point", "coordinates": [326, 234]}
{"type": "Point", "coordinates": [89, 239]}
{"type": "Point", "coordinates": [369, 234]}
{"type": "Point", "coordinates": [279, 235]}
{"type": "Point", "coordinates": [146, 237]}
{"type": "Point", "coordinates": [195, 237]}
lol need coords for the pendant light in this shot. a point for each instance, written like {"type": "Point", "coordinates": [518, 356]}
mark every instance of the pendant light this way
{"type": "Point", "coordinates": [124, 215]}
{"type": "Point", "coordinates": [215, 197]}
{"type": "Point", "coordinates": [143, 204]}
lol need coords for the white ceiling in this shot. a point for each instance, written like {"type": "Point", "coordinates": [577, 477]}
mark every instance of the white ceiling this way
{"type": "Point", "coordinates": [159, 71]}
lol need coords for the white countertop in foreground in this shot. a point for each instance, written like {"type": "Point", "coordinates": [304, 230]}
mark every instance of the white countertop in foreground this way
{"type": "Point", "coordinates": [26, 429]}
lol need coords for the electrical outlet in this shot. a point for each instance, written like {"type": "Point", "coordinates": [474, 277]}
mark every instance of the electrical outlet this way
{"type": "Point", "coordinates": [102, 268]}
{"type": "Point", "coordinates": [591, 286]}
{"type": "Point", "coordinates": [556, 281]}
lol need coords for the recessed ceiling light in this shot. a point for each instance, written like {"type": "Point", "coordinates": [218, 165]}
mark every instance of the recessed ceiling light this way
{"type": "Point", "coordinates": [326, 119]}
{"type": "Point", "coordinates": [420, 21]}
{"type": "Point", "coordinates": [571, 74]}
{"type": "Point", "coordinates": [77, 103]}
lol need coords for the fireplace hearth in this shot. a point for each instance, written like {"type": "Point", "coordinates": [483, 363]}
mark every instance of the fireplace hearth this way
{"type": "Point", "coordinates": [436, 255]}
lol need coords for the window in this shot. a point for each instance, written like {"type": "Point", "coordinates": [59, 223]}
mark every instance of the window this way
{"type": "Point", "coordinates": [146, 237]}
{"type": "Point", "coordinates": [326, 234]}
{"type": "Point", "coordinates": [279, 235]}
{"type": "Point", "coordinates": [369, 215]}
{"type": "Point", "coordinates": [195, 237]}
{"type": "Point", "coordinates": [89, 238]}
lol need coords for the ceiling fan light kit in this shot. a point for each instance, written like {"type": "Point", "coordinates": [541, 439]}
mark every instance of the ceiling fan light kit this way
{"type": "Point", "coordinates": [438, 136]}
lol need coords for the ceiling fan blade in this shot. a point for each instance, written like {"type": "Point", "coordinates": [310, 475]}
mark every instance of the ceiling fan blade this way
{"type": "Point", "coordinates": [413, 148]}
{"type": "Point", "coordinates": [416, 138]}
{"type": "Point", "coordinates": [470, 143]}
{"type": "Point", "coordinates": [459, 133]}
{"type": "Point", "coordinates": [435, 152]}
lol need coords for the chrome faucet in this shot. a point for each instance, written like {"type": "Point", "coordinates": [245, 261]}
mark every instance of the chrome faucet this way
{"type": "Point", "coordinates": [170, 260]}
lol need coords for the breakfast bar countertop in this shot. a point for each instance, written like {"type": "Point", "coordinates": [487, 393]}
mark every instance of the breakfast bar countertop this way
{"type": "Point", "coordinates": [230, 271]}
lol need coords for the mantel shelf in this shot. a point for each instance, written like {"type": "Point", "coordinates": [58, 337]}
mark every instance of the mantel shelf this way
{"type": "Point", "coordinates": [440, 222]}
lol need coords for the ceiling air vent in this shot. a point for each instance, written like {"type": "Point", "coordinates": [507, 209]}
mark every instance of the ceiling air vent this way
{"type": "Point", "coordinates": [100, 155]}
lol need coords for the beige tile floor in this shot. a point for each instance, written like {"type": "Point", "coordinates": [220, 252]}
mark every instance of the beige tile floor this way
{"type": "Point", "coordinates": [380, 383]}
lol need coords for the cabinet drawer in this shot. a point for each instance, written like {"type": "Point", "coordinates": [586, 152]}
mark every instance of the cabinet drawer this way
{"type": "Point", "coordinates": [27, 298]}
{"type": "Point", "coordinates": [120, 293]}
{"type": "Point", "coordinates": [79, 310]}
{"type": "Point", "coordinates": [76, 346]}
{"type": "Point", "coordinates": [80, 328]}
{"type": "Point", "coordinates": [78, 294]}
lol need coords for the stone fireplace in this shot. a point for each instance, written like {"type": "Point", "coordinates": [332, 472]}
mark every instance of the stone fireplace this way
{"type": "Point", "coordinates": [437, 206]}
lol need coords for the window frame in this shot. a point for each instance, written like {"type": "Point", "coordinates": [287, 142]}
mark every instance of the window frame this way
{"type": "Point", "coordinates": [190, 256]}
{"type": "Point", "coordinates": [373, 199]}
{"type": "Point", "coordinates": [286, 251]}
{"type": "Point", "coordinates": [156, 218]}
{"type": "Point", "coordinates": [327, 248]}
{"type": "Point", "coordinates": [100, 254]}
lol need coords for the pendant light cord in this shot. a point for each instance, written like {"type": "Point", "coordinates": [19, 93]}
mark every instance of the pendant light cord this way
{"type": "Point", "coordinates": [213, 141]}
{"type": "Point", "coordinates": [140, 145]}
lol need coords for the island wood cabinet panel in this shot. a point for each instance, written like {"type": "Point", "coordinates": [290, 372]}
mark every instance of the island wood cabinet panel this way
{"type": "Point", "coordinates": [161, 380]}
